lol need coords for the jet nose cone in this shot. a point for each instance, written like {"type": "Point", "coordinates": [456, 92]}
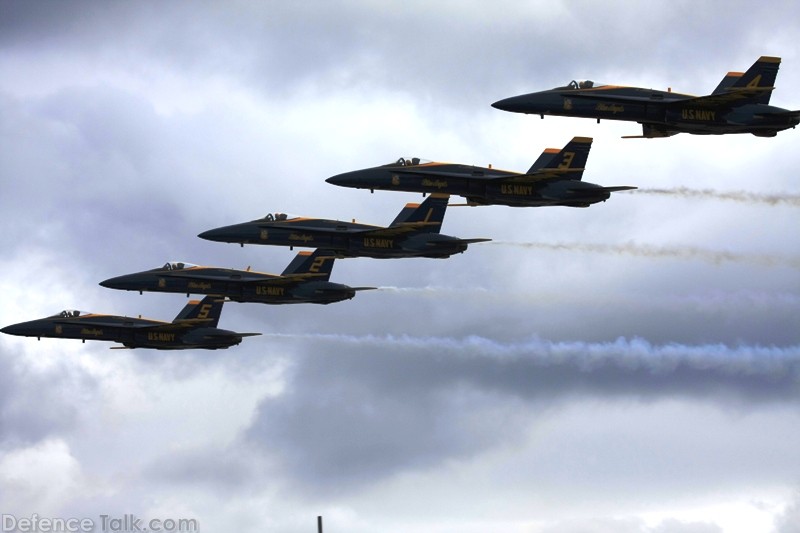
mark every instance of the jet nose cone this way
{"type": "Point", "coordinates": [213, 235]}
{"type": "Point", "coordinates": [348, 179]}
{"type": "Point", "coordinates": [507, 104]}
{"type": "Point", "coordinates": [14, 329]}
{"type": "Point", "coordinates": [113, 283]}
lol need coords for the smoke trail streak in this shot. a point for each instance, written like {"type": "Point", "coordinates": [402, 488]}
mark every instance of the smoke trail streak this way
{"type": "Point", "coordinates": [658, 252]}
{"type": "Point", "coordinates": [792, 200]}
{"type": "Point", "coordinates": [634, 351]}
{"type": "Point", "coordinates": [536, 366]}
{"type": "Point", "coordinates": [433, 290]}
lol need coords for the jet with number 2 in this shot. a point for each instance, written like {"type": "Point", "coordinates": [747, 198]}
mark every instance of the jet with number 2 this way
{"type": "Point", "coordinates": [413, 233]}
{"type": "Point", "coordinates": [553, 179]}
{"type": "Point", "coordinates": [194, 327]}
{"type": "Point", "coordinates": [739, 104]}
{"type": "Point", "coordinates": [305, 280]}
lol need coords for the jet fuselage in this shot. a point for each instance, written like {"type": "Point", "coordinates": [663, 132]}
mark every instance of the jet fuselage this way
{"type": "Point", "coordinates": [236, 285]}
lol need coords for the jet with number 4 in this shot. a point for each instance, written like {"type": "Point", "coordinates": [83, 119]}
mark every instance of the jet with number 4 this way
{"type": "Point", "coordinates": [194, 327]}
{"type": "Point", "coordinates": [553, 179]}
{"type": "Point", "coordinates": [413, 233]}
{"type": "Point", "coordinates": [305, 280]}
{"type": "Point", "coordinates": [739, 104]}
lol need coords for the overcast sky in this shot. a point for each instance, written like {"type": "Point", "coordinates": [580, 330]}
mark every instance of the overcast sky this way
{"type": "Point", "coordinates": [632, 367]}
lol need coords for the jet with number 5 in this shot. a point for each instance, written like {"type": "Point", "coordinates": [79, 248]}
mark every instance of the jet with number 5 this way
{"type": "Point", "coordinates": [305, 280]}
{"type": "Point", "coordinates": [739, 104]}
{"type": "Point", "coordinates": [413, 233]}
{"type": "Point", "coordinates": [553, 179]}
{"type": "Point", "coordinates": [194, 327]}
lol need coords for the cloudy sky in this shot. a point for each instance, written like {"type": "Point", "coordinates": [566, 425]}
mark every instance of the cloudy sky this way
{"type": "Point", "coordinates": [632, 367]}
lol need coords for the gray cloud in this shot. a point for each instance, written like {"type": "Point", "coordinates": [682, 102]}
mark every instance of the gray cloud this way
{"type": "Point", "coordinates": [365, 408]}
{"type": "Point", "coordinates": [36, 403]}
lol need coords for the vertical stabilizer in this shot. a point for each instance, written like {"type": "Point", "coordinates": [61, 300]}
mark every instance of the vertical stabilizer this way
{"type": "Point", "coordinates": [316, 262]}
{"type": "Point", "coordinates": [431, 212]}
{"type": "Point", "coordinates": [573, 156]}
{"type": "Point", "coordinates": [209, 308]}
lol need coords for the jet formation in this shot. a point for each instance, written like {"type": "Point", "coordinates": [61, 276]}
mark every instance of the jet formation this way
{"type": "Point", "coordinates": [413, 233]}
{"type": "Point", "coordinates": [194, 327]}
{"type": "Point", "coordinates": [739, 104]}
{"type": "Point", "coordinates": [555, 178]}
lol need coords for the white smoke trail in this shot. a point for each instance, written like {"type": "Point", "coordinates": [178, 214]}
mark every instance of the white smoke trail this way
{"type": "Point", "coordinates": [433, 290]}
{"type": "Point", "coordinates": [662, 252]}
{"type": "Point", "coordinates": [629, 353]}
{"type": "Point", "coordinates": [792, 200]}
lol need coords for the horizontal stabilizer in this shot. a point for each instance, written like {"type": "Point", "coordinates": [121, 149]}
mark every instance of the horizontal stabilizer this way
{"type": "Point", "coordinates": [473, 241]}
{"type": "Point", "coordinates": [615, 189]}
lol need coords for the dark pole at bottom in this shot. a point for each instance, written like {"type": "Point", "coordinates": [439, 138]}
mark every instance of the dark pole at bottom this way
{"type": "Point", "coordinates": [319, 524]}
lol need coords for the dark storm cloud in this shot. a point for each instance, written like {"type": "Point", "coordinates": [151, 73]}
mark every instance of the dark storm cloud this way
{"type": "Point", "coordinates": [417, 47]}
{"type": "Point", "coordinates": [365, 408]}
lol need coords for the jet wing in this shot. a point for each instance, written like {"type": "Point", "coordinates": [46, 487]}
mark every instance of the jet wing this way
{"type": "Point", "coordinates": [539, 175]}
{"type": "Point", "coordinates": [399, 229]}
{"type": "Point", "coordinates": [450, 174]}
{"type": "Point", "coordinates": [726, 99]}
{"type": "Point", "coordinates": [317, 225]}
{"type": "Point", "coordinates": [180, 324]}
{"type": "Point", "coordinates": [102, 322]}
{"type": "Point", "coordinates": [622, 99]}
{"type": "Point", "coordinates": [245, 277]}
{"type": "Point", "coordinates": [154, 325]}
{"type": "Point", "coordinates": [219, 276]}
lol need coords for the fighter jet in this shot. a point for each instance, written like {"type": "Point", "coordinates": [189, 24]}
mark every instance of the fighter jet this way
{"type": "Point", "coordinates": [739, 104]}
{"type": "Point", "coordinates": [304, 280]}
{"type": "Point", "coordinates": [194, 327]}
{"type": "Point", "coordinates": [413, 233]}
{"type": "Point", "coordinates": [554, 179]}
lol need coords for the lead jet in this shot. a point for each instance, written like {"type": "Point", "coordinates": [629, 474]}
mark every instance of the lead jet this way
{"type": "Point", "coordinates": [305, 280]}
{"type": "Point", "coordinates": [739, 104]}
{"type": "Point", "coordinates": [194, 327]}
{"type": "Point", "coordinates": [413, 233]}
{"type": "Point", "coordinates": [553, 179]}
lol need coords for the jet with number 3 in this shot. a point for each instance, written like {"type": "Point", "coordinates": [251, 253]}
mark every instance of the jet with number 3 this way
{"type": "Point", "coordinates": [194, 327]}
{"type": "Point", "coordinates": [413, 233]}
{"type": "Point", "coordinates": [739, 104]}
{"type": "Point", "coordinates": [555, 178]}
{"type": "Point", "coordinates": [305, 280]}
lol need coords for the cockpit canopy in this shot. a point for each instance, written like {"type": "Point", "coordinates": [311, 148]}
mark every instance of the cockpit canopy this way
{"type": "Point", "coordinates": [410, 161]}
{"type": "Point", "coordinates": [177, 265]}
{"type": "Point", "coordinates": [585, 84]}
{"type": "Point", "coordinates": [70, 313]}
{"type": "Point", "coordinates": [277, 217]}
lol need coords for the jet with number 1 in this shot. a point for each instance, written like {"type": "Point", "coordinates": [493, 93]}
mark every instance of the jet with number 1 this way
{"type": "Point", "coordinates": [739, 104]}
{"type": "Point", "coordinates": [553, 179]}
{"type": "Point", "coordinates": [194, 327]}
{"type": "Point", "coordinates": [413, 233]}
